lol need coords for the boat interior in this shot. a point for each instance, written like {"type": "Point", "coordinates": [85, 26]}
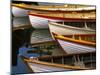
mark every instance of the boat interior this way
{"type": "Point", "coordinates": [83, 61]}
{"type": "Point", "coordinates": [49, 67]}
{"type": "Point", "coordinates": [85, 24]}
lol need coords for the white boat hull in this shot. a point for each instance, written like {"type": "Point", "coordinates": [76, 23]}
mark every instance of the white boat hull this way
{"type": "Point", "coordinates": [19, 12]}
{"type": "Point", "coordinates": [39, 22]}
{"type": "Point", "coordinates": [61, 29]}
{"type": "Point", "coordinates": [44, 68]}
{"type": "Point", "coordinates": [74, 48]}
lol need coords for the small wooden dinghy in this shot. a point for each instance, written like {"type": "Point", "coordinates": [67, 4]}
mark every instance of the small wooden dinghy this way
{"type": "Point", "coordinates": [73, 46]}
{"type": "Point", "coordinates": [62, 29]}
{"type": "Point", "coordinates": [22, 8]}
{"type": "Point", "coordinates": [40, 66]}
{"type": "Point", "coordinates": [40, 20]}
{"type": "Point", "coordinates": [55, 8]}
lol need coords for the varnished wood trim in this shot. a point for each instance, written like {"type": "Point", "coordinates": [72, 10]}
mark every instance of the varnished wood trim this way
{"type": "Point", "coordinates": [83, 35]}
{"type": "Point", "coordinates": [65, 55]}
{"type": "Point", "coordinates": [61, 18]}
{"type": "Point", "coordinates": [70, 27]}
{"type": "Point", "coordinates": [75, 41]}
{"type": "Point", "coordinates": [26, 6]}
{"type": "Point", "coordinates": [56, 65]}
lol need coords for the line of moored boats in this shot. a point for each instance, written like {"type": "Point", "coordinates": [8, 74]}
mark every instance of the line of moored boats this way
{"type": "Point", "coordinates": [77, 41]}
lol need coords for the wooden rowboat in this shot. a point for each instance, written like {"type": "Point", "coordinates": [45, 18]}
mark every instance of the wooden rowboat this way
{"type": "Point", "coordinates": [74, 46]}
{"type": "Point", "coordinates": [40, 20]}
{"type": "Point", "coordinates": [21, 9]}
{"type": "Point", "coordinates": [40, 66]}
{"type": "Point", "coordinates": [62, 29]}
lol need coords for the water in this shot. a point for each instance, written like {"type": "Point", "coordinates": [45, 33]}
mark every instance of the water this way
{"type": "Point", "coordinates": [20, 21]}
{"type": "Point", "coordinates": [23, 51]}
{"type": "Point", "coordinates": [21, 67]}
{"type": "Point", "coordinates": [41, 35]}
{"type": "Point", "coordinates": [36, 37]}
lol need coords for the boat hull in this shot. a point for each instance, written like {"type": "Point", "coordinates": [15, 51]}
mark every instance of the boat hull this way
{"type": "Point", "coordinates": [44, 68]}
{"type": "Point", "coordinates": [40, 66]}
{"type": "Point", "coordinates": [61, 29]}
{"type": "Point", "coordinates": [40, 22]}
{"type": "Point", "coordinates": [19, 12]}
{"type": "Point", "coordinates": [74, 48]}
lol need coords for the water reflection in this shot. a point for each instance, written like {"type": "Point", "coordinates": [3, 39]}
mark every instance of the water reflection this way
{"type": "Point", "coordinates": [41, 35]}
{"type": "Point", "coordinates": [20, 21]}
